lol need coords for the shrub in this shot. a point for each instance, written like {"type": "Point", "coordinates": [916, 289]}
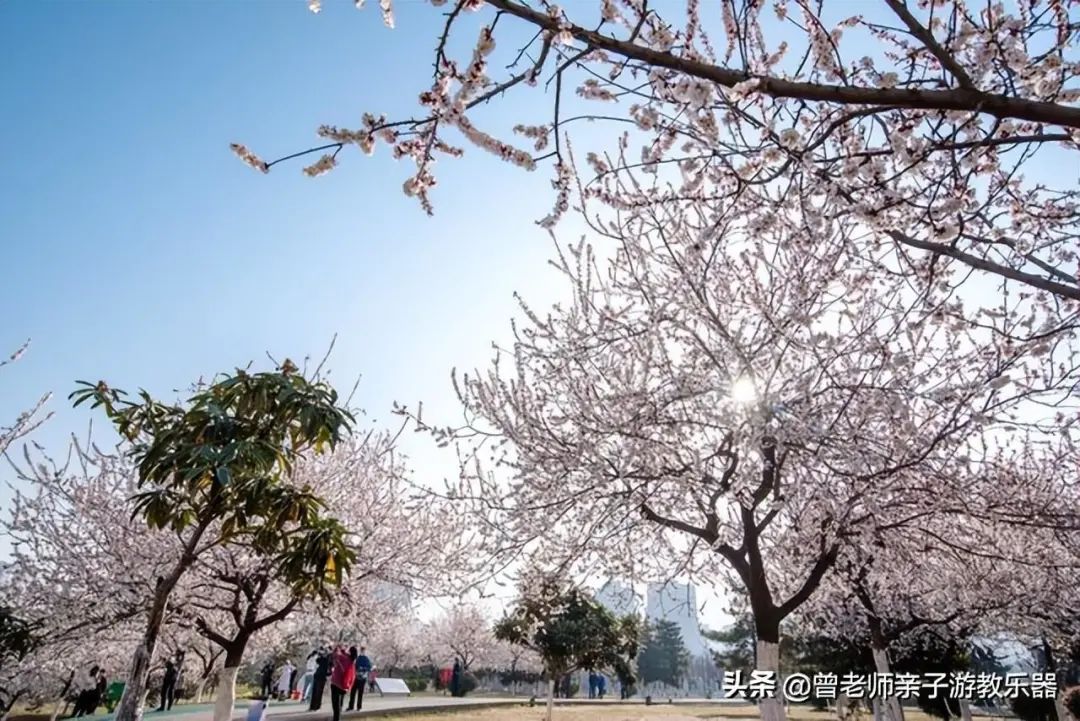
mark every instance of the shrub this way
{"type": "Point", "coordinates": [467, 685]}
{"type": "Point", "coordinates": [416, 685]}
{"type": "Point", "coordinates": [509, 678]}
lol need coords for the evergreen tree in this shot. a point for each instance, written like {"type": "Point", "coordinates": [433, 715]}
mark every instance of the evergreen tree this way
{"type": "Point", "coordinates": [664, 656]}
{"type": "Point", "coordinates": [738, 639]}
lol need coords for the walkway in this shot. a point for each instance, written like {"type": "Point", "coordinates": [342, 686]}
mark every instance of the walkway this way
{"type": "Point", "coordinates": [377, 706]}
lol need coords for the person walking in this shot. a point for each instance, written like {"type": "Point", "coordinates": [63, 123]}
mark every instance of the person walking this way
{"type": "Point", "coordinates": [363, 668]}
{"type": "Point", "coordinates": [342, 677]}
{"type": "Point", "coordinates": [266, 680]}
{"type": "Point", "coordinates": [601, 685]}
{"type": "Point", "coordinates": [592, 684]}
{"type": "Point", "coordinates": [322, 673]}
{"type": "Point", "coordinates": [309, 675]}
{"type": "Point", "coordinates": [168, 686]}
{"type": "Point", "coordinates": [284, 683]}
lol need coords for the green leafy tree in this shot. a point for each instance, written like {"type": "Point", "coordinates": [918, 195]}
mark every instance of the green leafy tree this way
{"type": "Point", "coordinates": [570, 631]}
{"type": "Point", "coordinates": [738, 639]}
{"type": "Point", "coordinates": [663, 657]}
{"type": "Point", "coordinates": [17, 640]}
{"type": "Point", "coordinates": [216, 470]}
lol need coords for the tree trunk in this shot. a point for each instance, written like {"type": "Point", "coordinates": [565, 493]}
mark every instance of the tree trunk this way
{"type": "Point", "coordinates": [225, 700]}
{"type": "Point", "coordinates": [550, 699]}
{"type": "Point", "coordinates": [841, 706]}
{"type": "Point", "coordinates": [965, 709]}
{"type": "Point", "coordinates": [891, 708]}
{"type": "Point", "coordinates": [1059, 706]}
{"type": "Point", "coordinates": [10, 705]}
{"type": "Point", "coordinates": [130, 707]}
{"type": "Point", "coordinates": [61, 702]}
{"type": "Point", "coordinates": [768, 659]}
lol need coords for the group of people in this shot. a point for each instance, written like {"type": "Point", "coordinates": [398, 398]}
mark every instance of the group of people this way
{"type": "Point", "coordinates": [286, 681]}
{"type": "Point", "coordinates": [349, 672]}
{"type": "Point", "coordinates": [92, 694]}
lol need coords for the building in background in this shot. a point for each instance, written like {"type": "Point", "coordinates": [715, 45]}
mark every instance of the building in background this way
{"type": "Point", "coordinates": [619, 598]}
{"type": "Point", "coordinates": [394, 598]}
{"type": "Point", "coordinates": [676, 603]}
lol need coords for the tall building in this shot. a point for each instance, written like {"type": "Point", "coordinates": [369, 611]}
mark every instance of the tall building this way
{"type": "Point", "coordinates": [619, 598]}
{"type": "Point", "coordinates": [393, 597]}
{"type": "Point", "coordinates": [677, 603]}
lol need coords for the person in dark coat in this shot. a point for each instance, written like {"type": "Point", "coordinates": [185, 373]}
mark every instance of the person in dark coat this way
{"type": "Point", "coordinates": [168, 686]}
{"type": "Point", "coordinates": [266, 680]}
{"type": "Point", "coordinates": [322, 673]}
{"type": "Point", "coordinates": [85, 696]}
{"type": "Point", "coordinates": [455, 679]}
{"type": "Point", "coordinates": [100, 690]}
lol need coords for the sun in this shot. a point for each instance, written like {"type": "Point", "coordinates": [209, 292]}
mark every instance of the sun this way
{"type": "Point", "coordinates": [743, 390]}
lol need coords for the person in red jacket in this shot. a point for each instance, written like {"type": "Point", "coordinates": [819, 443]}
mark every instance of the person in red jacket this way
{"type": "Point", "coordinates": [342, 677]}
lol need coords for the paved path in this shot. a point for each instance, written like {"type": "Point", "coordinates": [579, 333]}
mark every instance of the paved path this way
{"type": "Point", "coordinates": [378, 706]}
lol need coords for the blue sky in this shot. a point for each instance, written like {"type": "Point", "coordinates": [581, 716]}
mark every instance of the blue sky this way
{"type": "Point", "coordinates": [135, 248]}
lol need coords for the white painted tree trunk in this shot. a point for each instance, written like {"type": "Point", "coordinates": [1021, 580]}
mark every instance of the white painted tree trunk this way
{"type": "Point", "coordinates": [131, 703]}
{"type": "Point", "coordinates": [768, 659]}
{"type": "Point", "coordinates": [892, 709]}
{"type": "Point", "coordinates": [550, 699]}
{"type": "Point", "coordinates": [226, 694]}
{"type": "Point", "coordinates": [841, 706]}
{"type": "Point", "coordinates": [965, 709]}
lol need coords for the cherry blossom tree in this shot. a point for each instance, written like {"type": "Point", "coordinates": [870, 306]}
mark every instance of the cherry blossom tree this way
{"type": "Point", "coordinates": [931, 123]}
{"type": "Point", "coordinates": [80, 567]}
{"type": "Point", "coordinates": [741, 394]}
{"type": "Point", "coordinates": [28, 420]}
{"type": "Point", "coordinates": [397, 535]}
{"type": "Point", "coordinates": [75, 546]}
{"type": "Point", "coordinates": [986, 555]}
{"type": "Point", "coordinates": [393, 642]}
{"type": "Point", "coordinates": [901, 588]}
{"type": "Point", "coordinates": [72, 524]}
{"type": "Point", "coordinates": [463, 632]}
